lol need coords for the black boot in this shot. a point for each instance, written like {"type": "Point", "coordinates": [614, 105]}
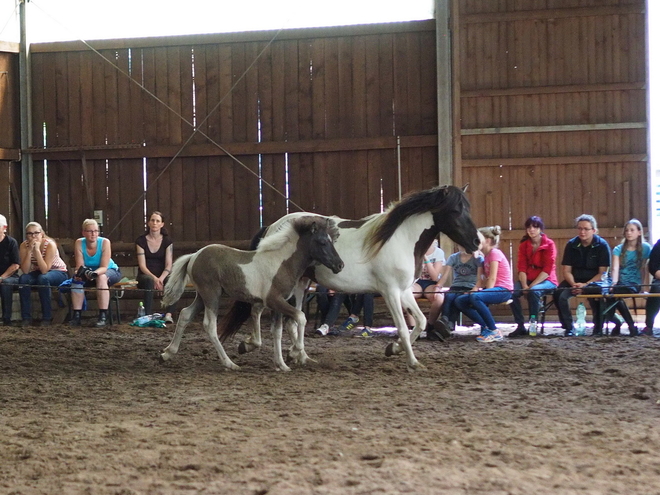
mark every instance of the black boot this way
{"type": "Point", "coordinates": [75, 318]}
{"type": "Point", "coordinates": [616, 331]}
{"type": "Point", "coordinates": [103, 318]}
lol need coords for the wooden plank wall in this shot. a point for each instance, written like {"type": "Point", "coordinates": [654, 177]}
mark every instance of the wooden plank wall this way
{"type": "Point", "coordinates": [525, 69]}
{"type": "Point", "coordinates": [325, 104]}
{"type": "Point", "coordinates": [10, 177]}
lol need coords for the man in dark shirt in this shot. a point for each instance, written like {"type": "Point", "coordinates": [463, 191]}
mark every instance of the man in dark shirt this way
{"type": "Point", "coordinates": [9, 264]}
{"type": "Point", "coordinates": [586, 261]}
{"type": "Point", "coordinates": [653, 303]}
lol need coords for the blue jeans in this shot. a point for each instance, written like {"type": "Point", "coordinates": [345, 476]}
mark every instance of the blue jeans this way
{"type": "Point", "coordinates": [475, 305]}
{"type": "Point", "coordinates": [449, 309]}
{"type": "Point", "coordinates": [7, 289]}
{"type": "Point", "coordinates": [533, 299]}
{"type": "Point", "coordinates": [52, 278]}
{"type": "Point", "coordinates": [652, 303]}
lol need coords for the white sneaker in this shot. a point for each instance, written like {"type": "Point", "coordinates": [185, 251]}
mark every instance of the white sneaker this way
{"type": "Point", "coordinates": [323, 330]}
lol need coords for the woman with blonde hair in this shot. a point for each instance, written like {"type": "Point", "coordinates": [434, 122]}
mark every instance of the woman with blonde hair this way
{"type": "Point", "coordinates": [498, 286]}
{"type": "Point", "coordinates": [43, 267]}
{"type": "Point", "coordinates": [629, 261]}
{"type": "Point", "coordinates": [94, 268]}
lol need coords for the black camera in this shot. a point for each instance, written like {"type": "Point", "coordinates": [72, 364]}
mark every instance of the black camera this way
{"type": "Point", "coordinates": [86, 273]}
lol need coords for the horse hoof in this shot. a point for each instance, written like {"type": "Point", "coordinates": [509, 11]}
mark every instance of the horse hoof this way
{"type": "Point", "coordinates": [417, 366]}
{"type": "Point", "coordinates": [162, 357]}
{"type": "Point", "coordinates": [391, 350]}
{"type": "Point", "coordinates": [242, 348]}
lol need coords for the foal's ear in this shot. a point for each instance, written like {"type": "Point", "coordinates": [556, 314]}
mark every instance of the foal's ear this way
{"type": "Point", "coordinates": [465, 187]}
{"type": "Point", "coordinates": [314, 228]}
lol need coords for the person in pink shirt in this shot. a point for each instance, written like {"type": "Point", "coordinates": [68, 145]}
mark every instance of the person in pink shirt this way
{"type": "Point", "coordinates": [537, 272]}
{"type": "Point", "coordinates": [498, 286]}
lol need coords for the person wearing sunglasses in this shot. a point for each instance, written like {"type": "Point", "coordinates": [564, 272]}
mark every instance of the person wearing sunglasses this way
{"type": "Point", "coordinates": [94, 268]}
{"type": "Point", "coordinates": [42, 267]}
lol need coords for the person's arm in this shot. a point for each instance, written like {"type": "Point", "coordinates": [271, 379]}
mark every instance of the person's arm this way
{"type": "Point", "coordinates": [26, 259]}
{"type": "Point", "coordinates": [522, 276]}
{"type": "Point", "coordinates": [615, 268]}
{"type": "Point", "coordinates": [567, 272]}
{"type": "Point", "coordinates": [45, 262]}
{"type": "Point", "coordinates": [490, 281]}
{"type": "Point", "coordinates": [78, 254]}
{"type": "Point", "coordinates": [433, 268]}
{"type": "Point", "coordinates": [480, 279]}
{"type": "Point", "coordinates": [168, 263]}
{"type": "Point", "coordinates": [444, 275]}
{"type": "Point", "coordinates": [549, 256]}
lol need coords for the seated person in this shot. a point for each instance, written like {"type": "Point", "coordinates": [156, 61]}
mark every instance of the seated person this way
{"type": "Point", "coordinates": [94, 268]}
{"type": "Point", "coordinates": [537, 272]}
{"type": "Point", "coordinates": [653, 303]}
{"type": "Point", "coordinates": [10, 262]}
{"type": "Point", "coordinates": [154, 255]}
{"type": "Point", "coordinates": [498, 286]}
{"type": "Point", "coordinates": [329, 304]}
{"type": "Point", "coordinates": [426, 285]}
{"type": "Point", "coordinates": [42, 266]}
{"type": "Point", "coordinates": [584, 265]}
{"type": "Point", "coordinates": [359, 302]}
{"type": "Point", "coordinates": [629, 260]}
{"type": "Point", "coordinates": [467, 270]}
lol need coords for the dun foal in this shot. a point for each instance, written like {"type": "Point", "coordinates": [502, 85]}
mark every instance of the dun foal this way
{"type": "Point", "coordinates": [264, 278]}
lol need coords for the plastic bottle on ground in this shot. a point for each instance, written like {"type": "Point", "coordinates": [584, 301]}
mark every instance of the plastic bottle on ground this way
{"type": "Point", "coordinates": [581, 322]}
{"type": "Point", "coordinates": [532, 326]}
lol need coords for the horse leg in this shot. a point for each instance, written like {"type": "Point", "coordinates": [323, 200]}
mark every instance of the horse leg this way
{"type": "Point", "coordinates": [253, 341]}
{"type": "Point", "coordinates": [297, 352]}
{"type": "Point", "coordinates": [394, 304]}
{"type": "Point", "coordinates": [410, 303]}
{"type": "Point", "coordinates": [276, 329]}
{"type": "Point", "coordinates": [185, 317]}
{"type": "Point", "coordinates": [211, 327]}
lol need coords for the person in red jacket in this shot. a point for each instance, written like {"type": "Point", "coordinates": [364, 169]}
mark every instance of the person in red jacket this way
{"type": "Point", "coordinates": [537, 272]}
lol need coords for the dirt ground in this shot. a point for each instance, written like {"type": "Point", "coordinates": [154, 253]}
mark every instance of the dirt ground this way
{"type": "Point", "coordinates": [93, 412]}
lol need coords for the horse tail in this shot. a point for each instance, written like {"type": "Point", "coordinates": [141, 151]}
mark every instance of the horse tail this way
{"type": "Point", "coordinates": [237, 315]}
{"type": "Point", "coordinates": [176, 282]}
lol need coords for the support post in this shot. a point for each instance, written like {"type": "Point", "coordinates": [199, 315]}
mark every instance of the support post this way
{"type": "Point", "coordinates": [25, 102]}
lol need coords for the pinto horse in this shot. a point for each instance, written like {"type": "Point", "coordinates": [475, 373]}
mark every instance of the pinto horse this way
{"type": "Point", "coordinates": [264, 278]}
{"type": "Point", "coordinates": [383, 253]}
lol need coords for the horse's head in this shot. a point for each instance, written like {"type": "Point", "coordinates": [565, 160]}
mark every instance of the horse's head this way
{"type": "Point", "coordinates": [452, 217]}
{"type": "Point", "coordinates": [320, 234]}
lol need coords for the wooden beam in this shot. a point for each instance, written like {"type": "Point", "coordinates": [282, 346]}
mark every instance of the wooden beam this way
{"type": "Point", "coordinates": [553, 128]}
{"type": "Point", "coordinates": [554, 160]}
{"type": "Point", "coordinates": [524, 15]}
{"type": "Point", "coordinates": [237, 149]}
{"type": "Point", "coordinates": [240, 37]}
{"type": "Point", "coordinates": [571, 88]}
{"type": "Point", "coordinates": [10, 154]}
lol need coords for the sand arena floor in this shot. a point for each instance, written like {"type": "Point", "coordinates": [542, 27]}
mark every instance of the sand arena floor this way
{"type": "Point", "coordinates": [93, 412]}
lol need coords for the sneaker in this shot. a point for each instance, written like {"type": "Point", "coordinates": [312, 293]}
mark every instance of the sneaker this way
{"type": "Point", "coordinates": [490, 336]}
{"type": "Point", "coordinates": [350, 323]}
{"type": "Point", "coordinates": [648, 332]}
{"type": "Point", "coordinates": [322, 330]}
{"type": "Point", "coordinates": [46, 323]}
{"type": "Point", "coordinates": [102, 322]}
{"type": "Point", "coordinates": [521, 331]}
{"type": "Point", "coordinates": [569, 333]}
{"type": "Point", "coordinates": [6, 322]}
{"type": "Point", "coordinates": [26, 323]}
{"type": "Point", "coordinates": [433, 335]}
{"type": "Point", "coordinates": [616, 331]}
{"type": "Point", "coordinates": [443, 327]}
{"type": "Point", "coordinates": [366, 332]}
{"type": "Point", "coordinates": [75, 321]}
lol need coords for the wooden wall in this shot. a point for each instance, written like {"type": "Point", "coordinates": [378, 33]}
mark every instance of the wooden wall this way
{"type": "Point", "coordinates": [326, 103]}
{"type": "Point", "coordinates": [10, 182]}
{"type": "Point", "coordinates": [551, 119]}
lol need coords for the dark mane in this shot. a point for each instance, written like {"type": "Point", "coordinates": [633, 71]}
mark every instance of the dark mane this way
{"type": "Point", "coordinates": [429, 201]}
{"type": "Point", "coordinates": [303, 224]}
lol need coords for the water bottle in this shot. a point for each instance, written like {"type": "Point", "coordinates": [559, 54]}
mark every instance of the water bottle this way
{"type": "Point", "coordinates": [532, 326]}
{"type": "Point", "coordinates": [581, 323]}
{"type": "Point", "coordinates": [141, 310]}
